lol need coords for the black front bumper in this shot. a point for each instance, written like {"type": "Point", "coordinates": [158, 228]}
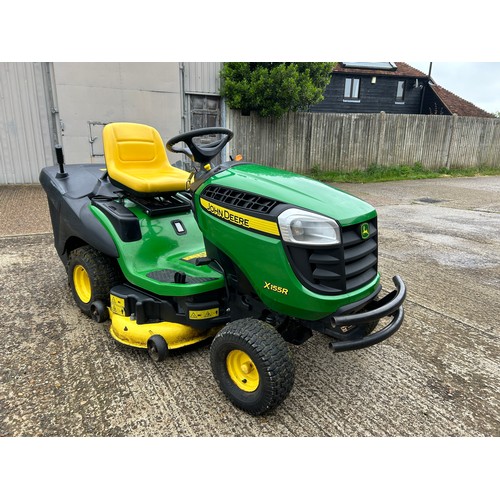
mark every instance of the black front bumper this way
{"type": "Point", "coordinates": [389, 306]}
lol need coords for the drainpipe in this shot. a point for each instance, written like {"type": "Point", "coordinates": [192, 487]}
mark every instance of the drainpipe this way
{"type": "Point", "coordinates": [425, 86]}
{"type": "Point", "coordinates": [57, 128]}
{"type": "Point", "coordinates": [183, 98]}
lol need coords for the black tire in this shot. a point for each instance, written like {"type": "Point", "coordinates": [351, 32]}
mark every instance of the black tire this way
{"type": "Point", "coordinates": [99, 311]}
{"type": "Point", "coordinates": [98, 273]}
{"type": "Point", "coordinates": [157, 348]}
{"type": "Point", "coordinates": [267, 354]}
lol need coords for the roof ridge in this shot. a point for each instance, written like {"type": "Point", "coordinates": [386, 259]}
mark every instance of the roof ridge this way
{"type": "Point", "coordinates": [440, 87]}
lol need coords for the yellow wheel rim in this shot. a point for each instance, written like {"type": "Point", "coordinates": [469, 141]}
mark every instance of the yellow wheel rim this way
{"type": "Point", "coordinates": [242, 370]}
{"type": "Point", "coordinates": [81, 282]}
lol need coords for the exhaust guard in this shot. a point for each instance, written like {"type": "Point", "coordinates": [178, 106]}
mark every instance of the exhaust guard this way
{"type": "Point", "coordinates": [390, 305]}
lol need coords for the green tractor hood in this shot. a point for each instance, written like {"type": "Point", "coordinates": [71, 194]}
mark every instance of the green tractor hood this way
{"type": "Point", "coordinates": [297, 190]}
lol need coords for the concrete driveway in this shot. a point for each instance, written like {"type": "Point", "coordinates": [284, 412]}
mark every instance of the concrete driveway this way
{"type": "Point", "coordinates": [61, 374]}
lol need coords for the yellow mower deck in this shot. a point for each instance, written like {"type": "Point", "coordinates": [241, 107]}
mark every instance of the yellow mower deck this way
{"type": "Point", "coordinates": [127, 331]}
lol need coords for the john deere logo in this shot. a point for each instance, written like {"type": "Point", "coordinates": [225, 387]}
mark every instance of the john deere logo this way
{"type": "Point", "coordinates": [365, 230]}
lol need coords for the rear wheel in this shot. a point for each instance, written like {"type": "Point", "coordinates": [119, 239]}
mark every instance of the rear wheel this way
{"type": "Point", "coordinates": [91, 275]}
{"type": "Point", "coordinates": [252, 365]}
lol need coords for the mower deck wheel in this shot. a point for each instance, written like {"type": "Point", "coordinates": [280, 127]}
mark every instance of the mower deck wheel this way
{"type": "Point", "coordinates": [157, 348]}
{"type": "Point", "coordinates": [252, 365]}
{"type": "Point", "coordinates": [99, 311]}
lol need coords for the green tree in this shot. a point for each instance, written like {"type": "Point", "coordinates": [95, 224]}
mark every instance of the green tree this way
{"type": "Point", "coordinates": [272, 89]}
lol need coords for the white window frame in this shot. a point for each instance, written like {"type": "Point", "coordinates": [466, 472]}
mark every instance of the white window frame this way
{"type": "Point", "coordinates": [351, 89]}
{"type": "Point", "coordinates": [400, 92]}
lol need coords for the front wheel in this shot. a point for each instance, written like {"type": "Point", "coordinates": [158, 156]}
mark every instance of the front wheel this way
{"type": "Point", "coordinates": [252, 365]}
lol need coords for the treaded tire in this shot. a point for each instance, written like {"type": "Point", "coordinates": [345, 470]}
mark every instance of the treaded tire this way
{"type": "Point", "coordinates": [269, 355]}
{"type": "Point", "coordinates": [102, 271]}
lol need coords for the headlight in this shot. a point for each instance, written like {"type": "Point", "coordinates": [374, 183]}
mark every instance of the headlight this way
{"type": "Point", "coordinates": [306, 228]}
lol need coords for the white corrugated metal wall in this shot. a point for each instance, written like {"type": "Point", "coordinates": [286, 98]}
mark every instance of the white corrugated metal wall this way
{"type": "Point", "coordinates": [46, 103]}
{"type": "Point", "coordinates": [26, 139]}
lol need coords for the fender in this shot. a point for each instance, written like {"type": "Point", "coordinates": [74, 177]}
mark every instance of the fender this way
{"type": "Point", "coordinates": [69, 198]}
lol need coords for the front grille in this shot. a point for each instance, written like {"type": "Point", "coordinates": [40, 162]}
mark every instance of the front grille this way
{"type": "Point", "coordinates": [339, 269]}
{"type": "Point", "coordinates": [239, 199]}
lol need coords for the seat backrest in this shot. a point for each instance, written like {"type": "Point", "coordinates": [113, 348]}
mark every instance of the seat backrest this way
{"type": "Point", "coordinates": [136, 160]}
{"type": "Point", "coordinates": [132, 146]}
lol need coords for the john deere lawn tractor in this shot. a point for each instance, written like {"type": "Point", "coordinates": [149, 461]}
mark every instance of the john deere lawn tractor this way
{"type": "Point", "coordinates": [247, 257]}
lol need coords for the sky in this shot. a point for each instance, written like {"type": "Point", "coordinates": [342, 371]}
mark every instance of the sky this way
{"type": "Point", "coordinates": [477, 82]}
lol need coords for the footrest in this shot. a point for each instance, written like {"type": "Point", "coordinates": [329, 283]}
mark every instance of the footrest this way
{"type": "Point", "coordinates": [171, 276]}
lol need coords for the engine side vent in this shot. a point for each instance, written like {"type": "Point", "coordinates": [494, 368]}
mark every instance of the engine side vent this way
{"type": "Point", "coordinates": [239, 199]}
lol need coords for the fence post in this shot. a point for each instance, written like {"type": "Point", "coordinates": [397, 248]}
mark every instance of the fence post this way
{"type": "Point", "coordinates": [452, 136]}
{"type": "Point", "coordinates": [381, 136]}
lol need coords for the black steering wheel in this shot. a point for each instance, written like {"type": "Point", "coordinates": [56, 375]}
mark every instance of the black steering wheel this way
{"type": "Point", "coordinates": [201, 153]}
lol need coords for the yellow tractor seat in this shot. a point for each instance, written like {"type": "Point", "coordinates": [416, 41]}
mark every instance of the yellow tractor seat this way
{"type": "Point", "coordinates": [137, 162]}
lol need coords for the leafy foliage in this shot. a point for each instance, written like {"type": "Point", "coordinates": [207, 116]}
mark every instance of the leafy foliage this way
{"type": "Point", "coordinates": [272, 89]}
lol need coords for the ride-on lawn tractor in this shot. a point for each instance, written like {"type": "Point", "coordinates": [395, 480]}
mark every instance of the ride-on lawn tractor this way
{"type": "Point", "coordinates": [248, 256]}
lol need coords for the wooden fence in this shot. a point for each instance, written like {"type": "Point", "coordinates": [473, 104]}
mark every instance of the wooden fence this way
{"type": "Point", "coordinates": [345, 142]}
